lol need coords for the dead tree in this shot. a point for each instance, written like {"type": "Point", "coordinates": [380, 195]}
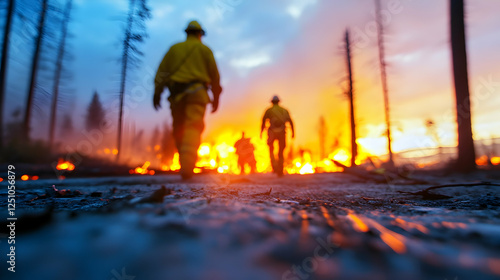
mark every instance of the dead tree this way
{"type": "Point", "coordinates": [383, 72]}
{"type": "Point", "coordinates": [34, 71]}
{"type": "Point", "coordinates": [432, 132]}
{"type": "Point", "coordinates": [466, 153]}
{"type": "Point", "coordinates": [67, 129]}
{"type": "Point", "coordinates": [95, 113]}
{"type": "Point", "coordinates": [138, 13]}
{"type": "Point", "coordinates": [3, 66]}
{"type": "Point", "coordinates": [58, 71]}
{"type": "Point", "coordinates": [350, 94]}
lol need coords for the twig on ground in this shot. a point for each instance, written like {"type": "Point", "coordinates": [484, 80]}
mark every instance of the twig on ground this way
{"type": "Point", "coordinates": [431, 196]}
{"type": "Point", "coordinates": [264, 193]}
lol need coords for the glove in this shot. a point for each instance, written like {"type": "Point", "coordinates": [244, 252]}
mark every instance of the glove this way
{"type": "Point", "coordinates": [215, 104]}
{"type": "Point", "coordinates": [216, 90]}
{"type": "Point", "coordinates": [157, 98]}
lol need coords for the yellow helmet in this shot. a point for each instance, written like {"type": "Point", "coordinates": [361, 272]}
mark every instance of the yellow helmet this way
{"type": "Point", "coordinates": [195, 26]}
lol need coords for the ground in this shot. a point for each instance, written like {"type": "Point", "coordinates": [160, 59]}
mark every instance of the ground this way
{"type": "Point", "coordinates": [320, 226]}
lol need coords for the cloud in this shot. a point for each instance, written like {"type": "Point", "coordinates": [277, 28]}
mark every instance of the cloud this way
{"type": "Point", "coordinates": [160, 14]}
{"type": "Point", "coordinates": [297, 7]}
{"type": "Point", "coordinates": [251, 61]}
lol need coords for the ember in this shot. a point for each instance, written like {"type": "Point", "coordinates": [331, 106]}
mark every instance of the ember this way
{"type": "Point", "coordinates": [65, 165]}
{"type": "Point", "coordinates": [143, 170]}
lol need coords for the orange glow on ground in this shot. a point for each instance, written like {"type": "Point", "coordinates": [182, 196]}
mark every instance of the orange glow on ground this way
{"type": "Point", "coordinates": [409, 225]}
{"type": "Point", "coordinates": [453, 225]}
{"type": "Point", "coordinates": [327, 216]}
{"type": "Point", "coordinates": [397, 245]}
{"type": "Point", "coordinates": [25, 177]}
{"type": "Point", "coordinates": [359, 225]}
{"type": "Point", "coordinates": [494, 265]}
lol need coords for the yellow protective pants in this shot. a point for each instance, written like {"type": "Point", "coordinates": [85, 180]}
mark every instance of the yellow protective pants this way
{"type": "Point", "coordinates": [188, 111]}
{"type": "Point", "coordinates": [281, 138]}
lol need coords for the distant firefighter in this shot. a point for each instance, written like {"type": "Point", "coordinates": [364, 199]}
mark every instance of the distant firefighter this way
{"type": "Point", "coordinates": [188, 70]}
{"type": "Point", "coordinates": [245, 151]}
{"type": "Point", "coordinates": [278, 117]}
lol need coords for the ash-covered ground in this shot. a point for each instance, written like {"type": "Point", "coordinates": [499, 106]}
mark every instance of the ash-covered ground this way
{"type": "Point", "coordinates": [320, 226]}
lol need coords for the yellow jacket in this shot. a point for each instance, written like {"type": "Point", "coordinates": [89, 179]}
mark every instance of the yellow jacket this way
{"type": "Point", "coordinates": [186, 62]}
{"type": "Point", "coordinates": [278, 117]}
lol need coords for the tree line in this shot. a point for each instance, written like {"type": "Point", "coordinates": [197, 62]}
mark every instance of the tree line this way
{"type": "Point", "coordinates": [50, 19]}
{"type": "Point", "coordinates": [43, 25]}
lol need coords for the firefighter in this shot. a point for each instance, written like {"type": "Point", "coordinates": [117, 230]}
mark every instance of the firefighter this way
{"type": "Point", "coordinates": [278, 117]}
{"type": "Point", "coordinates": [244, 150]}
{"type": "Point", "coordinates": [188, 70]}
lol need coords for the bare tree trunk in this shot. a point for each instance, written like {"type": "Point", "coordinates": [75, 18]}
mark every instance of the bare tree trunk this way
{"type": "Point", "coordinates": [34, 72]}
{"type": "Point", "coordinates": [384, 80]}
{"type": "Point", "coordinates": [354, 146]}
{"type": "Point", "coordinates": [57, 76]}
{"type": "Point", "coordinates": [3, 66]}
{"type": "Point", "coordinates": [126, 46]}
{"type": "Point", "coordinates": [466, 153]}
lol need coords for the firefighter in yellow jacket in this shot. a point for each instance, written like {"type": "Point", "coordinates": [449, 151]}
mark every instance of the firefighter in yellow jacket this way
{"type": "Point", "coordinates": [188, 70]}
{"type": "Point", "coordinates": [277, 117]}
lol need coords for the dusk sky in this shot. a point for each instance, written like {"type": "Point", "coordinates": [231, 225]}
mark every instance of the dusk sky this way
{"type": "Point", "coordinates": [293, 48]}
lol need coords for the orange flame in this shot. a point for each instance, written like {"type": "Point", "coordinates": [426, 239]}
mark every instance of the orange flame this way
{"type": "Point", "coordinates": [65, 165]}
{"type": "Point", "coordinates": [143, 170]}
{"type": "Point", "coordinates": [221, 156]}
{"type": "Point", "coordinates": [495, 160]}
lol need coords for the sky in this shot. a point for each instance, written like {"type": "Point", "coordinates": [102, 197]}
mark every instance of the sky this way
{"type": "Point", "coordinates": [294, 48]}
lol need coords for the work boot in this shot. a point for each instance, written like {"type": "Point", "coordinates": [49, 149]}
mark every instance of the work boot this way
{"type": "Point", "coordinates": [186, 174]}
{"type": "Point", "coordinates": [187, 161]}
{"type": "Point", "coordinates": [279, 168]}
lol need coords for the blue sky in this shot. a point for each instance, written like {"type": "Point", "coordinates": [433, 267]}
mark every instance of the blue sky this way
{"type": "Point", "coordinates": [293, 48]}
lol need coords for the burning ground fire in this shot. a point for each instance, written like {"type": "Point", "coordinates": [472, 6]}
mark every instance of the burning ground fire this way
{"type": "Point", "coordinates": [222, 158]}
{"type": "Point", "coordinates": [65, 165]}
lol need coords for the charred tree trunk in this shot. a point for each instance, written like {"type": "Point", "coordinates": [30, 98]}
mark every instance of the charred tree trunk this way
{"type": "Point", "coordinates": [384, 80]}
{"type": "Point", "coordinates": [34, 72]}
{"type": "Point", "coordinates": [3, 66]}
{"type": "Point", "coordinates": [57, 76]}
{"type": "Point", "coordinates": [466, 153]}
{"type": "Point", "coordinates": [354, 146]}
{"type": "Point", "coordinates": [126, 46]}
